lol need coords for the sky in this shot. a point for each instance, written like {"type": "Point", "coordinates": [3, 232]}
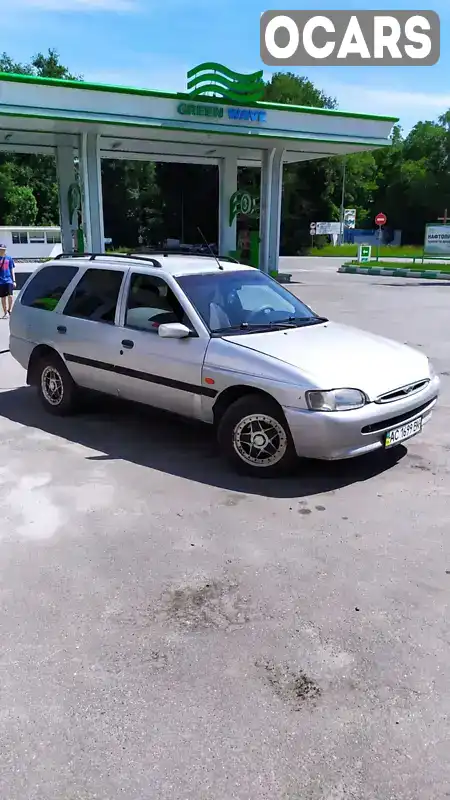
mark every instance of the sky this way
{"type": "Point", "coordinates": [152, 44]}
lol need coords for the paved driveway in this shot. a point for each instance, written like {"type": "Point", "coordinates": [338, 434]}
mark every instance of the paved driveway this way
{"type": "Point", "coordinates": [170, 631]}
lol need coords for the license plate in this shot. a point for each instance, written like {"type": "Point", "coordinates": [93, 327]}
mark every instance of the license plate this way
{"type": "Point", "coordinates": [397, 435]}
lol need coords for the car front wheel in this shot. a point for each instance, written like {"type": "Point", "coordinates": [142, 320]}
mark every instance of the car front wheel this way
{"type": "Point", "coordinates": [254, 436]}
{"type": "Point", "coordinates": [56, 388]}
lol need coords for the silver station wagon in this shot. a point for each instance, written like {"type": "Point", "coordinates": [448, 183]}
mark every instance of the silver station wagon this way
{"type": "Point", "coordinates": [222, 343]}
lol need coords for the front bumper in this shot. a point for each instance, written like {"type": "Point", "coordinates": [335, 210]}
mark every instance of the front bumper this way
{"type": "Point", "coordinates": [345, 434]}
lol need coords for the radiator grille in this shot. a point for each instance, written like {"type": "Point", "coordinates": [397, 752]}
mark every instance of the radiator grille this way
{"type": "Point", "coordinates": [402, 392]}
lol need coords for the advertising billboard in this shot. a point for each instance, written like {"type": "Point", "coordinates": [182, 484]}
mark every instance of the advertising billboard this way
{"type": "Point", "coordinates": [437, 240]}
{"type": "Point", "coordinates": [328, 228]}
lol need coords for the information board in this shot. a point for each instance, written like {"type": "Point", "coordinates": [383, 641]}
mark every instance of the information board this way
{"type": "Point", "coordinates": [437, 240]}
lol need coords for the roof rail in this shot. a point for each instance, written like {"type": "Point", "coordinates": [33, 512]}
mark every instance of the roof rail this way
{"type": "Point", "coordinates": [93, 256]}
{"type": "Point", "coordinates": [163, 251]}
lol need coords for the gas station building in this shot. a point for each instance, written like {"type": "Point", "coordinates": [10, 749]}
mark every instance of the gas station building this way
{"type": "Point", "coordinates": [79, 123]}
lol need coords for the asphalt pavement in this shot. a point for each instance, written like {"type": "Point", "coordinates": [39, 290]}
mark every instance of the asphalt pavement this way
{"type": "Point", "coordinates": [172, 631]}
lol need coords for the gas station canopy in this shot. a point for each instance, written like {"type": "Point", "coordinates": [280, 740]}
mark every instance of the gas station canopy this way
{"type": "Point", "coordinates": [92, 121]}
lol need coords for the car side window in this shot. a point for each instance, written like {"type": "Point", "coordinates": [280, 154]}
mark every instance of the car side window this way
{"type": "Point", "coordinates": [95, 296]}
{"type": "Point", "coordinates": [151, 302]}
{"type": "Point", "coordinates": [48, 286]}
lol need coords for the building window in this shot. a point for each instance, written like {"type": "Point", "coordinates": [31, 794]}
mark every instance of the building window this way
{"type": "Point", "coordinates": [36, 237]}
{"type": "Point", "coordinates": [48, 286]}
{"type": "Point", "coordinates": [53, 237]}
{"type": "Point", "coordinates": [95, 296]}
{"type": "Point", "coordinates": [19, 237]}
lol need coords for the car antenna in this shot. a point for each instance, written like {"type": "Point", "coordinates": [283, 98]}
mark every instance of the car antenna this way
{"type": "Point", "coordinates": [209, 248]}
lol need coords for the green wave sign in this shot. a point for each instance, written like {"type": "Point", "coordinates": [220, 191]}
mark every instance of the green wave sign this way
{"type": "Point", "coordinates": [211, 78]}
{"type": "Point", "coordinates": [242, 202]}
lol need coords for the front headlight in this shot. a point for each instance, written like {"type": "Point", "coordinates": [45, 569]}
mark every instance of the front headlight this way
{"type": "Point", "coordinates": [431, 370]}
{"type": "Point", "coordinates": [335, 400]}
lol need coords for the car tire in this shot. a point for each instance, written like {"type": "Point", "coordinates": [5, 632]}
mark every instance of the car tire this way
{"type": "Point", "coordinates": [57, 390]}
{"type": "Point", "coordinates": [254, 437]}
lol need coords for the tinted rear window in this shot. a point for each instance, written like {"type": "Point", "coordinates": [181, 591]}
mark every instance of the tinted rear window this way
{"type": "Point", "coordinates": [48, 286]}
{"type": "Point", "coordinates": [95, 296]}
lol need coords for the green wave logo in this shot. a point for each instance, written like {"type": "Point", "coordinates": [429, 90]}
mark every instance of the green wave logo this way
{"type": "Point", "coordinates": [211, 78]}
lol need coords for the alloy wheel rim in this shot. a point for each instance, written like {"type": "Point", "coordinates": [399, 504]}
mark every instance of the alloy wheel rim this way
{"type": "Point", "coordinates": [260, 440]}
{"type": "Point", "coordinates": [52, 386]}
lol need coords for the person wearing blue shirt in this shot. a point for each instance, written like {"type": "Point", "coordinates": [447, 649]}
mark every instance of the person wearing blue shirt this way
{"type": "Point", "coordinates": [7, 281]}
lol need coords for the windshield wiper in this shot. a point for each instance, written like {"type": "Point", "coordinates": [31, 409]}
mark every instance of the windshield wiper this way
{"type": "Point", "coordinates": [302, 321]}
{"type": "Point", "coordinates": [295, 322]}
{"type": "Point", "coordinates": [259, 326]}
{"type": "Point", "coordinates": [246, 327]}
{"type": "Point", "coordinates": [280, 323]}
{"type": "Point", "coordinates": [290, 322]}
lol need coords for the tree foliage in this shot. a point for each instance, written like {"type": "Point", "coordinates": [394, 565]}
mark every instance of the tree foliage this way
{"type": "Point", "coordinates": [146, 202]}
{"type": "Point", "coordinates": [285, 87]}
{"type": "Point", "coordinates": [28, 184]}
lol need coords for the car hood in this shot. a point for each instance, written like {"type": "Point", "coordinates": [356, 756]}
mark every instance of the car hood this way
{"type": "Point", "coordinates": [333, 356]}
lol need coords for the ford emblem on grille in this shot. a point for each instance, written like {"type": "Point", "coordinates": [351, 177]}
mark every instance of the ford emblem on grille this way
{"type": "Point", "coordinates": [397, 394]}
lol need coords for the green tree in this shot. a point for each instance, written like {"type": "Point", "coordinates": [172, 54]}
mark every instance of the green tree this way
{"type": "Point", "coordinates": [41, 65]}
{"type": "Point", "coordinates": [23, 208]}
{"type": "Point", "coordinates": [8, 65]}
{"type": "Point", "coordinates": [32, 197]}
{"type": "Point", "coordinates": [308, 186]}
{"type": "Point", "coordinates": [131, 202]}
{"type": "Point", "coordinates": [360, 186]}
{"type": "Point", "coordinates": [49, 66]}
{"type": "Point", "coordinates": [295, 90]}
{"type": "Point", "coordinates": [413, 178]}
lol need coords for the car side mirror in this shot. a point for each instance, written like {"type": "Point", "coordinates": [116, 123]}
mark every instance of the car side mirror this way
{"type": "Point", "coordinates": [173, 330]}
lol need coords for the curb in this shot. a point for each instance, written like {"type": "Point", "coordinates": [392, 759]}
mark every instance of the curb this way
{"type": "Point", "coordinates": [396, 273]}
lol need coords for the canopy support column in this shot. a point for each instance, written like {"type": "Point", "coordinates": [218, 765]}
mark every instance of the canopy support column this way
{"type": "Point", "coordinates": [227, 188]}
{"type": "Point", "coordinates": [91, 173]}
{"type": "Point", "coordinates": [66, 177]}
{"type": "Point", "coordinates": [264, 208]}
{"type": "Point", "coordinates": [275, 210]}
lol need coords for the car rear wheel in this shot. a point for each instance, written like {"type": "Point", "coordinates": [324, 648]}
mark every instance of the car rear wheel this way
{"type": "Point", "coordinates": [56, 389]}
{"type": "Point", "coordinates": [255, 437]}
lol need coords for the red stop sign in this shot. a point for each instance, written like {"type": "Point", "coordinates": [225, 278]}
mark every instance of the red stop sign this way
{"type": "Point", "coordinates": [380, 219]}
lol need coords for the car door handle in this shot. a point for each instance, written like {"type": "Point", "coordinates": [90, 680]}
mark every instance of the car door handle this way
{"type": "Point", "coordinates": [61, 329]}
{"type": "Point", "coordinates": [127, 343]}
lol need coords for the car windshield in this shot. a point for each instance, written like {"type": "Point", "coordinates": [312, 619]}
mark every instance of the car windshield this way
{"type": "Point", "coordinates": [244, 302]}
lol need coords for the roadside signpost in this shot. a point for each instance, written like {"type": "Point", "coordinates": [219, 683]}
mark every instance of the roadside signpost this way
{"type": "Point", "coordinates": [312, 232]}
{"type": "Point", "coordinates": [437, 238]}
{"type": "Point", "coordinates": [328, 228]}
{"type": "Point", "coordinates": [325, 229]}
{"type": "Point", "coordinates": [437, 241]}
{"type": "Point", "coordinates": [380, 220]}
{"type": "Point", "coordinates": [364, 253]}
{"type": "Point", "coordinates": [350, 218]}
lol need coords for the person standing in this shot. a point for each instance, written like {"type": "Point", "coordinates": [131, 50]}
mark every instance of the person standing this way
{"type": "Point", "coordinates": [7, 281]}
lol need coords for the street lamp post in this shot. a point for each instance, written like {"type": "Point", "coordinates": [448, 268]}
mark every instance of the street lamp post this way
{"type": "Point", "coordinates": [341, 235]}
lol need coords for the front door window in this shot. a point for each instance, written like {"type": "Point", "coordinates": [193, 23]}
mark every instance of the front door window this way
{"type": "Point", "coordinates": [151, 303]}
